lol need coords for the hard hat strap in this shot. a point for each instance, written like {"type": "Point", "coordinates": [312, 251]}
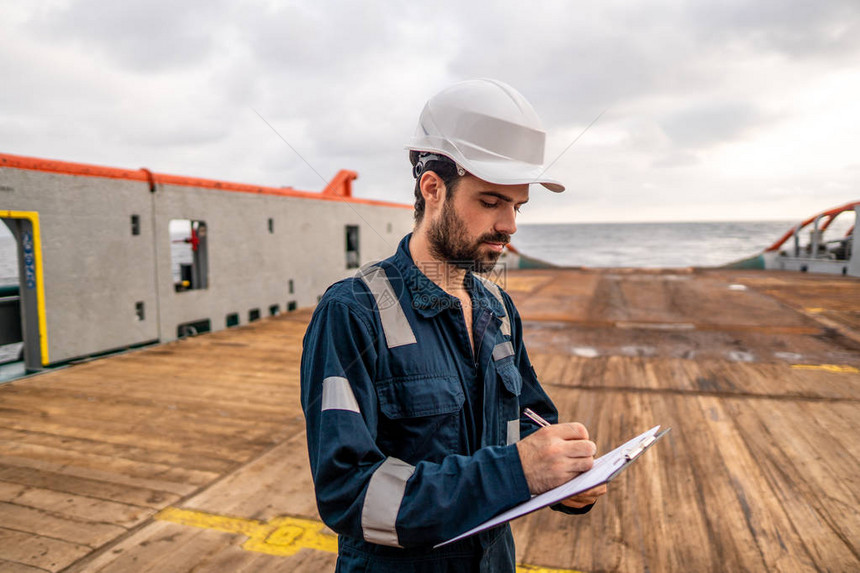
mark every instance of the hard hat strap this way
{"type": "Point", "coordinates": [425, 157]}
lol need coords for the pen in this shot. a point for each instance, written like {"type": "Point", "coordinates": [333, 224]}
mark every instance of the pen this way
{"type": "Point", "coordinates": [535, 418]}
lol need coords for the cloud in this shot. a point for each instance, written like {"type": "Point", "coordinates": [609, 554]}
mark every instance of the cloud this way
{"type": "Point", "coordinates": [679, 159]}
{"type": "Point", "coordinates": [704, 96]}
{"type": "Point", "coordinates": [139, 35]}
{"type": "Point", "coordinates": [796, 28]}
{"type": "Point", "coordinates": [711, 124]}
{"type": "Point", "coordinates": [325, 37]}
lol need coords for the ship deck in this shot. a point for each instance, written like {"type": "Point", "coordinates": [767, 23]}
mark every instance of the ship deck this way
{"type": "Point", "coordinates": [190, 456]}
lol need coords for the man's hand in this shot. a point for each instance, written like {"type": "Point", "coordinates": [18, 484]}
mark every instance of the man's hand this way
{"type": "Point", "coordinates": [585, 498]}
{"type": "Point", "coordinates": [556, 454]}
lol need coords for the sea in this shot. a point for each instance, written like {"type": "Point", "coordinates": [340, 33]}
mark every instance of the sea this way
{"type": "Point", "coordinates": [642, 245]}
{"type": "Point", "coordinates": [647, 245]}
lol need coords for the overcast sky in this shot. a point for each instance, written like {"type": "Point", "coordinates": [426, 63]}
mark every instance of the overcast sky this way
{"type": "Point", "coordinates": [723, 110]}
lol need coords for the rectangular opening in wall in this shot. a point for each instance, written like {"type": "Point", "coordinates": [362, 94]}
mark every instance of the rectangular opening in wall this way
{"type": "Point", "coordinates": [275, 310]}
{"type": "Point", "coordinates": [253, 314]}
{"type": "Point", "coordinates": [291, 306]}
{"type": "Point", "coordinates": [352, 251]}
{"type": "Point", "coordinates": [189, 254]}
{"type": "Point", "coordinates": [290, 286]}
{"type": "Point", "coordinates": [232, 319]}
{"type": "Point", "coordinates": [135, 224]}
{"type": "Point", "coordinates": [139, 310]}
{"type": "Point", "coordinates": [271, 225]}
{"type": "Point", "coordinates": [15, 245]}
{"type": "Point", "coordinates": [193, 328]}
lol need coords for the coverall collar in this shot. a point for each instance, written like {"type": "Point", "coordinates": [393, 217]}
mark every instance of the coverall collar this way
{"type": "Point", "coordinates": [428, 298]}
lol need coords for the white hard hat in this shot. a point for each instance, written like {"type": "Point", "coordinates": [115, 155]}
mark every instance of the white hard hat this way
{"type": "Point", "coordinates": [489, 129]}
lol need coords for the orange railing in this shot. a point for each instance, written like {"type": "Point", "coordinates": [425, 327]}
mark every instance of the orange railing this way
{"type": "Point", "coordinates": [831, 216]}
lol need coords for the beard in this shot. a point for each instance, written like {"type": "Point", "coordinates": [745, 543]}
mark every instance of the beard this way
{"type": "Point", "coordinates": [449, 242]}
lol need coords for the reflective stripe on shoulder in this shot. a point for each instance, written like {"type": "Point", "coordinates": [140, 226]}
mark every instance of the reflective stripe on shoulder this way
{"type": "Point", "coordinates": [496, 292]}
{"type": "Point", "coordinates": [337, 394]}
{"type": "Point", "coordinates": [382, 502]}
{"type": "Point", "coordinates": [395, 326]}
{"type": "Point", "coordinates": [503, 350]}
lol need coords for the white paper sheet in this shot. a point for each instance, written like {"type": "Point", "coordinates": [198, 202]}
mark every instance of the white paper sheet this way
{"type": "Point", "coordinates": [604, 468]}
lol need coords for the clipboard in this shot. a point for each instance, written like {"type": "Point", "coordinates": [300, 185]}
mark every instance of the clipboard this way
{"type": "Point", "coordinates": [636, 451]}
{"type": "Point", "coordinates": [606, 468]}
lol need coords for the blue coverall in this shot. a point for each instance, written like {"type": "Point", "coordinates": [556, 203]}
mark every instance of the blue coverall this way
{"type": "Point", "coordinates": [411, 434]}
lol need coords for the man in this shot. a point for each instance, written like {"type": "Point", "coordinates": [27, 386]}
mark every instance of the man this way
{"type": "Point", "coordinates": [414, 373]}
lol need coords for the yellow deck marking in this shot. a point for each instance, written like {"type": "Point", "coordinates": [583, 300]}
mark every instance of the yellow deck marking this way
{"type": "Point", "coordinates": [283, 536]}
{"type": "Point", "coordinates": [839, 368]}
{"type": "Point", "coordinates": [279, 536]}
{"type": "Point", "coordinates": [814, 310]}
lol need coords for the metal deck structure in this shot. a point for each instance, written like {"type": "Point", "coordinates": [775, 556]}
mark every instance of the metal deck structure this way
{"type": "Point", "coordinates": [190, 456]}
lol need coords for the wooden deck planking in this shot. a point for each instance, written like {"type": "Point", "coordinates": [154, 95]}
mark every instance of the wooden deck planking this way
{"type": "Point", "coordinates": [697, 342]}
{"type": "Point", "coordinates": [12, 567]}
{"type": "Point", "coordinates": [737, 426]}
{"type": "Point", "coordinates": [714, 485]}
{"type": "Point", "coordinates": [66, 481]}
{"type": "Point", "coordinates": [194, 405]}
{"type": "Point", "coordinates": [277, 483]}
{"type": "Point", "coordinates": [134, 453]}
{"type": "Point", "coordinates": [163, 547]}
{"type": "Point", "coordinates": [165, 478]}
{"type": "Point", "coordinates": [760, 470]}
{"type": "Point", "coordinates": [75, 506]}
{"type": "Point", "coordinates": [91, 451]}
{"type": "Point", "coordinates": [47, 524]}
{"type": "Point", "coordinates": [41, 552]}
{"type": "Point", "coordinates": [130, 418]}
{"type": "Point", "coordinates": [616, 373]}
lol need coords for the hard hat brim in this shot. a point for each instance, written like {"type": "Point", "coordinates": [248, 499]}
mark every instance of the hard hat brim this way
{"type": "Point", "coordinates": [512, 173]}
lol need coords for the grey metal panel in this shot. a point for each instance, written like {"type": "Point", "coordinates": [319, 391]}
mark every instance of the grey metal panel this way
{"type": "Point", "coordinates": [96, 270]}
{"type": "Point", "coordinates": [249, 267]}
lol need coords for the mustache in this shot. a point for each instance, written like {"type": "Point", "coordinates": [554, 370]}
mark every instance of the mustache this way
{"type": "Point", "coordinates": [495, 238]}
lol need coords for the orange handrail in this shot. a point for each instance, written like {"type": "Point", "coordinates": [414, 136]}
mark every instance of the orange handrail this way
{"type": "Point", "coordinates": [830, 213]}
{"type": "Point", "coordinates": [338, 189]}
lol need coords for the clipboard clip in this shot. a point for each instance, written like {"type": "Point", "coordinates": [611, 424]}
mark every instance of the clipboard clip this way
{"type": "Point", "coordinates": [639, 448]}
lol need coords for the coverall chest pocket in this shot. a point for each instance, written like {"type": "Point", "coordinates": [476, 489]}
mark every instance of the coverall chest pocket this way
{"type": "Point", "coordinates": [509, 402]}
{"type": "Point", "coordinates": [421, 416]}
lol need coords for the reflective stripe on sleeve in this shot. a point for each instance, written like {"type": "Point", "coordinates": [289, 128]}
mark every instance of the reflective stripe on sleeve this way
{"type": "Point", "coordinates": [337, 395]}
{"type": "Point", "coordinates": [494, 290]}
{"type": "Point", "coordinates": [503, 350]}
{"type": "Point", "coordinates": [513, 431]}
{"type": "Point", "coordinates": [382, 501]}
{"type": "Point", "coordinates": [395, 326]}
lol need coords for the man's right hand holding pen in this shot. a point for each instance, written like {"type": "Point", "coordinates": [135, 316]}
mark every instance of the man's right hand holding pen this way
{"type": "Point", "coordinates": [556, 454]}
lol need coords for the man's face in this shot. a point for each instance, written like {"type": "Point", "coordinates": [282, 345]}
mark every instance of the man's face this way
{"type": "Point", "coordinates": [473, 227]}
